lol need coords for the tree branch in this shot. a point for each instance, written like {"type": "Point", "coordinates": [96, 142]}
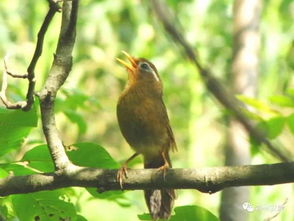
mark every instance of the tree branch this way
{"type": "Point", "coordinates": [213, 84]}
{"type": "Point", "coordinates": [53, 8]}
{"type": "Point", "coordinates": [26, 105]}
{"type": "Point", "coordinates": [57, 75]}
{"type": "Point", "coordinates": [207, 180]}
{"type": "Point", "coordinates": [6, 102]}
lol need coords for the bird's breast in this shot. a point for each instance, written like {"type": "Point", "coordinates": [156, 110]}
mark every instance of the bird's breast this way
{"type": "Point", "coordinates": [141, 123]}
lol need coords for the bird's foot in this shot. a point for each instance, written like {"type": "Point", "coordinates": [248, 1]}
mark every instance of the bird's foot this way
{"type": "Point", "coordinates": [122, 174]}
{"type": "Point", "coordinates": [164, 168]}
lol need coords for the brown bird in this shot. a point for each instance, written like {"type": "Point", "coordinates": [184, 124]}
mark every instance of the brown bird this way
{"type": "Point", "coordinates": [144, 123]}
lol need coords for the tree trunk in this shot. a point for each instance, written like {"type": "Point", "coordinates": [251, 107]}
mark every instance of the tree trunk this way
{"type": "Point", "coordinates": [246, 18]}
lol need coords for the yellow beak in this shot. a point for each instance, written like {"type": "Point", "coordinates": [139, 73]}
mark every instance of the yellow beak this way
{"type": "Point", "coordinates": [127, 65]}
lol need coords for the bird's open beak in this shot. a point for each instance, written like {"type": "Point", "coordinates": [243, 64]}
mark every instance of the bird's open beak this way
{"type": "Point", "coordinates": [131, 66]}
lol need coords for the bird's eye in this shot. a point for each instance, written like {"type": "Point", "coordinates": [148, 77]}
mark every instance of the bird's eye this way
{"type": "Point", "coordinates": [144, 66]}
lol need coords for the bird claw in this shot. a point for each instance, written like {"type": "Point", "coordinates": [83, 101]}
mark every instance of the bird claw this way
{"type": "Point", "coordinates": [164, 168]}
{"type": "Point", "coordinates": [121, 174]}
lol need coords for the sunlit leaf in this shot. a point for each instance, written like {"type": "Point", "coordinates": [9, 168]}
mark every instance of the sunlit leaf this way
{"type": "Point", "coordinates": [257, 104]}
{"type": "Point", "coordinates": [290, 121]}
{"type": "Point", "coordinates": [283, 101]}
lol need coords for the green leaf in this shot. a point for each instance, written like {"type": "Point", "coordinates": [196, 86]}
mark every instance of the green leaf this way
{"type": "Point", "coordinates": [45, 205]}
{"type": "Point", "coordinates": [272, 127]}
{"type": "Point", "coordinates": [15, 125]}
{"type": "Point", "coordinates": [3, 173]}
{"type": "Point", "coordinates": [39, 158]}
{"type": "Point", "coordinates": [81, 218]}
{"type": "Point", "coordinates": [283, 101]}
{"type": "Point", "coordinates": [259, 105]}
{"type": "Point", "coordinates": [290, 121]}
{"type": "Point", "coordinates": [11, 138]}
{"type": "Point", "coordinates": [187, 213]}
{"type": "Point", "coordinates": [91, 155]}
{"type": "Point", "coordinates": [82, 154]}
{"type": "Point", "coordinates": [18, 118]}
{"type": "Point", "coordinates": [251, 115]}
{"type": "Point", "coordinates": [18, 169]}
{"type": "Point", "coordinates": [275, 126]}
{"type": "Point", "coordinates": [254, 146]}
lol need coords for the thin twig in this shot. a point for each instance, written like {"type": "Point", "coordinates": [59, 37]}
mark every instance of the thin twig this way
{"type": "Point", "coordinates": [53, 8]}
{"type": "Point", "coordinates": [11, 74]}
{"type": "Point", "coordinates": [24, 76]}
{"type": "Point", "coordinates": [6, 102]}
{"type": "Point", "coordinates": [26, 105]}
{"type": "Point", "coordinates": [213, 84]}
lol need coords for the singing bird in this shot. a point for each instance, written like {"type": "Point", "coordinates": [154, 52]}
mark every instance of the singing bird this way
{"type": "Point", "coordinates": [144, 123]}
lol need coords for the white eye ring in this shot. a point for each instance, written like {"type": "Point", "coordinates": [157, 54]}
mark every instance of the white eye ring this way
{"type": "Point", "coordinates": [145, 66]}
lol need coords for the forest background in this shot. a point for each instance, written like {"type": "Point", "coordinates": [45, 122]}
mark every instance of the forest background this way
{"type": "Point", "coordinates": [86, 104]}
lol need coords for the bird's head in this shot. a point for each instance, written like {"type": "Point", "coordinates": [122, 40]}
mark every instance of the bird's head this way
{"type": "Point", "coordinates": [140, 69]}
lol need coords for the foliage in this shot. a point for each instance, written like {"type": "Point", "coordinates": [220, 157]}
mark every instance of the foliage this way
{"type": "Point", "coordinates": [186, 213]}
{"type": "Point", "coordinates": [14, 127]}
{"type": "Point", "coordinates": [85, 107]}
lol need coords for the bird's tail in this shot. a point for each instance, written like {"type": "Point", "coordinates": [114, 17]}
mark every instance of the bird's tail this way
{"type": "Point", "coordinates": [160, 201]}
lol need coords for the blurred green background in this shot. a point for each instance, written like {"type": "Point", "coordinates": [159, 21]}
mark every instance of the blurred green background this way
{"type": "Point", "coordinates": [86, 104]}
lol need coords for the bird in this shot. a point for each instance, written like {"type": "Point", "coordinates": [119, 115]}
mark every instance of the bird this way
{"type": "Point", "coordinates": [144, 123]}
